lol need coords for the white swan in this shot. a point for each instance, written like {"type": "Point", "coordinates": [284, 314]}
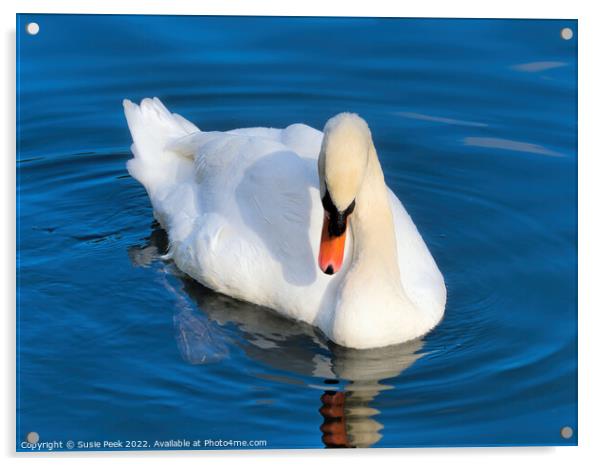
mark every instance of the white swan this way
{"type": "Point", "coordinates": [259, 214]}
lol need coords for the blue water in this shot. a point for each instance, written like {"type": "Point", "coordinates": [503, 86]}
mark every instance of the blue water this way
{"type": "Point", "coordinates": [475, 123]}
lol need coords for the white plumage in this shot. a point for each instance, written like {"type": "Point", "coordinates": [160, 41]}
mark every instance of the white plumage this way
{"type": "Point", "coordinates": [243, 213]}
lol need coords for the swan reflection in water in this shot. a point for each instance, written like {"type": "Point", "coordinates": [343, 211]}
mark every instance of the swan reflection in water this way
{"type": "Point", "coordinates": [205, 332]}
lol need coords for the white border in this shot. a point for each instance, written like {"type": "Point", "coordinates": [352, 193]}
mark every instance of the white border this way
{"type": "Point", "coordinates": [590, 234]}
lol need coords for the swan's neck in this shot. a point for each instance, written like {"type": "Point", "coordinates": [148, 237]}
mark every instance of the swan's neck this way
{"type": "Point", "coordinates": [374, 241]}
{"type": "Point", "coordinates": [372, 308]}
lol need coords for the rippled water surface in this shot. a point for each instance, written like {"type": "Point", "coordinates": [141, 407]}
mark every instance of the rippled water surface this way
{"type": "Point", "coordinates": [475, 124]}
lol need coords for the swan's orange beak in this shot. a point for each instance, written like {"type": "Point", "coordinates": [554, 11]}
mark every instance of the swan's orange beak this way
{"type": "Point", "coordinates": [332, 248]}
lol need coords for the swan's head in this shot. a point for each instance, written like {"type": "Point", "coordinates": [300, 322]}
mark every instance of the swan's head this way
{"type": "Point", "coordinates": [341, 167]}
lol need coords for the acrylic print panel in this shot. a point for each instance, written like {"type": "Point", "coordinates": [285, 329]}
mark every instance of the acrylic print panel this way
{"type": "Point", "coordinates": [155, 296]}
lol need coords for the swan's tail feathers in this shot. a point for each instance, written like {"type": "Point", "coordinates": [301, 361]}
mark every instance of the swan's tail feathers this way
{"type": "Point", "coordinates": [153, 128]}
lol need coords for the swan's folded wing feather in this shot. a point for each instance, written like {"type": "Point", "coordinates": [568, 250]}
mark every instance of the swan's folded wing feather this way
{"type": "Point", "coordinates": [266, 193]}
{"type": "Point", "coordinates": [253, 202]}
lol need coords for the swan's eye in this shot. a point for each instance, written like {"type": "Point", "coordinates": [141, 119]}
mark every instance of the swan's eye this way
{"type": "Point", "coordinates": [328, 204]}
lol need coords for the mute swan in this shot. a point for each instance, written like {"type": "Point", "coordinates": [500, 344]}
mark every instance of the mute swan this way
{"type": "Point", "coordinates": [293, 219]}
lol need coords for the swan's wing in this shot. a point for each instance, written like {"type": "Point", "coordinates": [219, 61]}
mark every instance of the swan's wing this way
{"type": "Point", "coordinates": [258, 180]}
{"type": "Point", "coordinates": [276, 195]}
{"type": "Point", "coordinates": [255, 218]}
